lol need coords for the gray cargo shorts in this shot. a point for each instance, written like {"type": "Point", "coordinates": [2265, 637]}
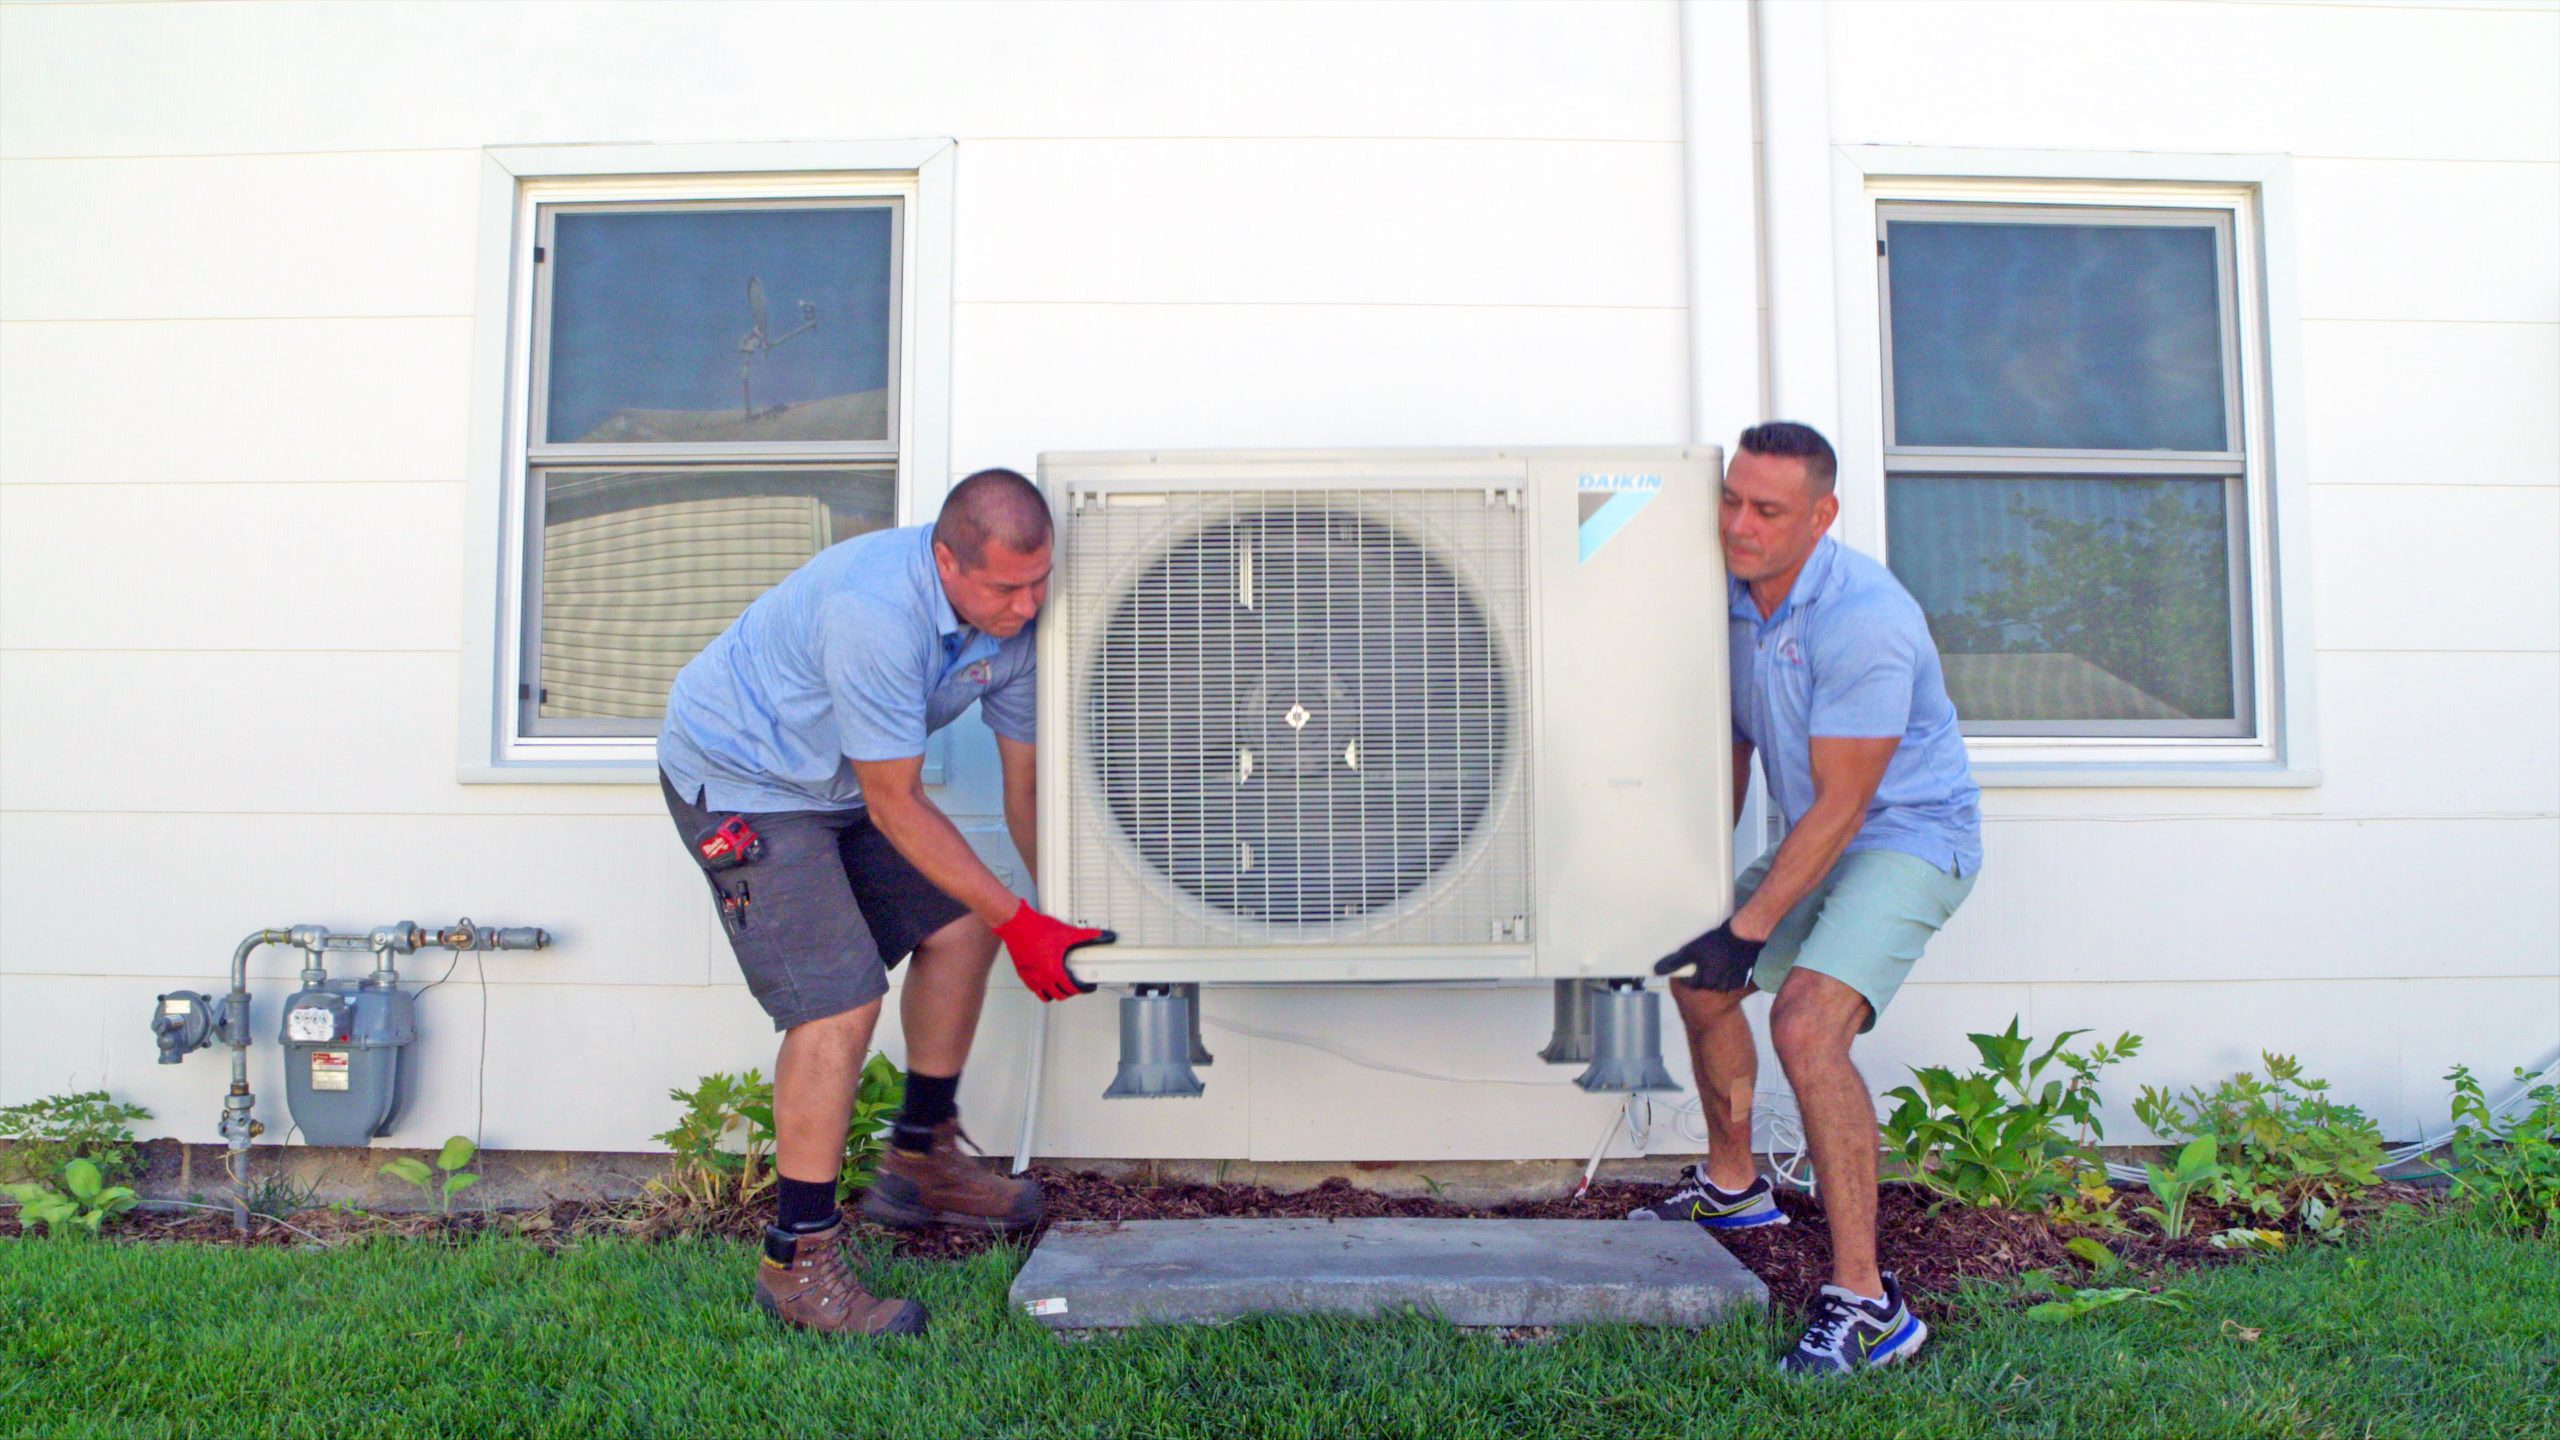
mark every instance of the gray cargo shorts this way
{"type": "Point", "coordinates": [820, 917]}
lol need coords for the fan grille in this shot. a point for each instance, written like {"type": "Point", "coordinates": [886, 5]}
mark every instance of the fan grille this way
{"type": "Point", "coordinates": [1301, 714]}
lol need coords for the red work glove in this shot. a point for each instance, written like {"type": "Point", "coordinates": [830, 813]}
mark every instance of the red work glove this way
{"type": "Point", "coordinates": [1039, 945]}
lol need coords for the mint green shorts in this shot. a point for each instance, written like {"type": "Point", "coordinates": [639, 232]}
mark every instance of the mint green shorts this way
{"type": "Point", "coordinates": [1864, 925]}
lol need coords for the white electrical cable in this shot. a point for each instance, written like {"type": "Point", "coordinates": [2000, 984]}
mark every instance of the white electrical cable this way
{"type": "Point", "coordinates": [1366, 1063]}
{"type": "Point", "coordinates": [1790, 1156]}
{"type": "Point", "coordinates": [2397, 1154]}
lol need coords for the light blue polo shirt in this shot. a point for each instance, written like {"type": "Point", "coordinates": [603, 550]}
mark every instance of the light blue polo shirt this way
{"type": "Point", "coordinates": [1848, 655]}
{"type": "Point", "coordinates": [854, 656]}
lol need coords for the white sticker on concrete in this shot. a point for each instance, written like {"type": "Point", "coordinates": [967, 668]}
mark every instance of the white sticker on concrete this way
{"type": "Point", "coordinates": [1054, 1305]}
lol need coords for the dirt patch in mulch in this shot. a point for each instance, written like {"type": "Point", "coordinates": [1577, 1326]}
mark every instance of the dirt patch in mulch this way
{"type": "Point", "coordinates": [1934, 1253]}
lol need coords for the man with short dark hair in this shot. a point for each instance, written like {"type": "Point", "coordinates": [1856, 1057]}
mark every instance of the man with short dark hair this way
{"type": "Point", "coordinates": [1837, 686]}
{"type": "Point", "coordinates": [792, 759]}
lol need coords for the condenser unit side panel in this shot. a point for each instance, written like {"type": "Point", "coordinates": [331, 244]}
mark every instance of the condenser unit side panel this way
{"type": "Point", "coordinates": [1634, 777]}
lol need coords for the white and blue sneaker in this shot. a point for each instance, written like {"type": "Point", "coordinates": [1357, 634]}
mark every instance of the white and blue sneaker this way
{"type": "Point", "coordinates": [1849, 1332]}
{"type": "Point", "coordinates": [1698, 1199]}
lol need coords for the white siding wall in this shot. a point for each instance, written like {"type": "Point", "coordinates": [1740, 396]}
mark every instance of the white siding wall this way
{"type": "Point", "coordinates": [2404, 914]}
{"type": "Point", "coordinates": [235, 297]}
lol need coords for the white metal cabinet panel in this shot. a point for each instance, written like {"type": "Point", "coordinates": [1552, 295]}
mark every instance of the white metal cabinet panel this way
{"type": "Point", "coordinates": [626, 905]}
{"type": "Point", "coordinates": [1028, 378]}
{"type": "Point", "coordinates": [2426, 240]}
{"type": "Point", "coordinates": [2146, 76]}
{"type": "Point", "coordinates": [278, 236]}
{"type": "Point", "coordinates": [2426, 403]}
{"type": "Point", "coordinates": [234, 400]}
{"type": "Point", "coordinates": [1565, 814]}
{"type": "Point", "coordinates": [1365, 222]}
{"type": "Point", "coordinates": [200, 79]}
{"type": "Point", "coordinates": [2436, 568]}
{"type": "Point", "coordinates": [229, 567]}
{"type": "Point", "coordinates": [2196, 901]}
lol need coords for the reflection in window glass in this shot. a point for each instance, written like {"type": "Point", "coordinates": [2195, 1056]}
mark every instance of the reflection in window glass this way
{"type": "Point", "coordinates": [2074, 599]}
{"type": "Point", "coordinates": [2072, 337]}
{"type": "Point", "coordinates": [642, 568]}
{"type": "Point", "coordinates": [720, 326]}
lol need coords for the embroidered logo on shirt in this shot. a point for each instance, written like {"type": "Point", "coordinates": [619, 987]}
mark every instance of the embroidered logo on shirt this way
{"type": "Point", "coordinates": [981, 672]}
{"type": "Point", "coordinates": [1790, 651]}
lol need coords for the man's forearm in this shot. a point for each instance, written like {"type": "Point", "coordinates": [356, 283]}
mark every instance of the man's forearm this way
{"type": "Point", "coordinates": [930, 842]}
{"type": "Point", "coordinates": [1021, 820]}
{"type": "Point", "coordinates": [1803, 858]}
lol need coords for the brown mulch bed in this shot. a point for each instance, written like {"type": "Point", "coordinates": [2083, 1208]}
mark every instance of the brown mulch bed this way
{"type": "Point", "coordinates": [1934, 1253]}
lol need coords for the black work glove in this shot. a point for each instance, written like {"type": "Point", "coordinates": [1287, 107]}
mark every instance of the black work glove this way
{"type": "Point", "coordinates": [1724, 960]}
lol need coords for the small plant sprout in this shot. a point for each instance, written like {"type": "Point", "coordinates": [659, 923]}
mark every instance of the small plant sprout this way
{"type": "Point", "coordinates": [447, 1179]}
{"type": "Point", "coordinates": [2178, 1183]}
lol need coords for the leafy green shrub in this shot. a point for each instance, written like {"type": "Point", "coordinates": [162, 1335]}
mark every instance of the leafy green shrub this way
{"type": "Point", "coordinates": [2005, 1135]}
{"type": "Point", "coordinates": [85, 1202]}
{"type": "Point", "coordinates": [717, 1110]}
{"type": "Point", "coordinates": [46, 1134]}
{"type": "Point", "coordinates": [457, 1152]}
{"type": "Point", "coordinates": [723, 1141]}
{"type": "Point", "coordinates": [2281, 1142]}
{"type": "Point", "coordinates": [2510, 1169]}
{"type": "Point", "coordinates": [876, 1102]}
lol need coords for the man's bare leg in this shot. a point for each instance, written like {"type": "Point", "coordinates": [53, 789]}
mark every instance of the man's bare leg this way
{"type": "Point", "coordinates": [1727, 1067]}
{"type": "Point", "coordinates": [1812, 1025]}
{"type": "Point", "coordinates": [945, 991]}
{"type": "Point", "coordinates": [813, 1085]}
{"type": "Point", "coordinates": [924, 1176]}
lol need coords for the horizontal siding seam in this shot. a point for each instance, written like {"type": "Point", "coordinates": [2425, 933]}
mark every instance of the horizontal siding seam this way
{"type": "Point", "coordinates": [650, 780]}
{"type": "Point", "coordinates": [1668, 142]}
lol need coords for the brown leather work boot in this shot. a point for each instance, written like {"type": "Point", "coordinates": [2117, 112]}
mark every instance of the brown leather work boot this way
{"type": "Point", "coordinates": [943, 1186]}
{"type": "Point", "coordinates": [815, 1289]}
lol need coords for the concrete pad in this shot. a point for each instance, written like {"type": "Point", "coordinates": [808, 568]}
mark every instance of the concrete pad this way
{"type": "Point", "coordinates": [1106, 1275]}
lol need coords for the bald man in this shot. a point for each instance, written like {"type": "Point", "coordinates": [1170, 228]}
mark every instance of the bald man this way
{"type": "Point", "coordinates": [792, 759]}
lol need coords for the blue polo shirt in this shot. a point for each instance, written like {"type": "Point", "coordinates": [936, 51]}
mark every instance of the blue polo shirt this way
{"type": "Point", "coordinates": [1848, 655]}
{"type": "Point", "coordinates": [854, 656]}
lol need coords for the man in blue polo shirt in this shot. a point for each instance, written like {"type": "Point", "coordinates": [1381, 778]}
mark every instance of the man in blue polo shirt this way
{"type": "Point", "coordinates": [792, 759]}
{"type": "Point", "coordinates": [1837, 688]}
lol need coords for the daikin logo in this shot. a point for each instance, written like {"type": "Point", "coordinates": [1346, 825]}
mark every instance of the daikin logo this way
{"type": "Point", "coordinates": [1607, 503]}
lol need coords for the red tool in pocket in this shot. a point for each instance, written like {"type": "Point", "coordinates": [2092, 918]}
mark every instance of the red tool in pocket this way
{"type": "Point", "coordinates": [731, 843]}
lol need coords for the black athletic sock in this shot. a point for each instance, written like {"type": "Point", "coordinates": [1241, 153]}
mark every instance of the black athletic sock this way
{"type": "Point", "coordinates": [931, 1099]}
{"type": "Point", "coordinates": [806, 1205]}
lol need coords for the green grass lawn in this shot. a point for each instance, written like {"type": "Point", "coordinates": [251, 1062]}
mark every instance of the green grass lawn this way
{"type": "Point", "coordinates": [2429, 1326]}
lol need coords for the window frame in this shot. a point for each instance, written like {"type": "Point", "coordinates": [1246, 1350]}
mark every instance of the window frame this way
{"type": "Point", "coordinates": [522, 189]}
{"type": "Point", "coordinates": [2257, 191]}
{"type": "Point", "coordinates": [2241, 510]}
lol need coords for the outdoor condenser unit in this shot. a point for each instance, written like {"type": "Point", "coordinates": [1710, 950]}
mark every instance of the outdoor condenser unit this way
{"type": "Point", "coordinates": [1327, 716]}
